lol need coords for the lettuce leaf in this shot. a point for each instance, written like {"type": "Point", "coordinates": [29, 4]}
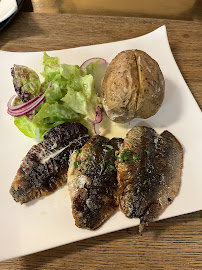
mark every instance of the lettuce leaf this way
{"type": "Point", "coordinates": [51, 115]}
{"type": "Point", "coordinates": [70, 96]}
{"type": "Point", "coordinates": [26, 82]}
{"type": "Point", "coordinates": [97, 70]}
{"type": "Point", "coordinates": [83, 101]}
{"type": "Point", "coordinates": [71, 85]}
{"type": "Point", "coordinates": [58, 88]}
{"type": "Point", "coordinates": [56, 112]}
{"type": "Point", "coordinates": [50, 64]}
{"type": "Point", "coordinates": [25, 126]}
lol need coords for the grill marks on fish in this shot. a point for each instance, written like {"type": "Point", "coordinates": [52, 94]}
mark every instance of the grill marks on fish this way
{"type": "Point", "coordinates": [150, 179]}
{"type": "Point", "coordinates": [44, 168]}
{"type": "Point", "coordinates": [92, 182]}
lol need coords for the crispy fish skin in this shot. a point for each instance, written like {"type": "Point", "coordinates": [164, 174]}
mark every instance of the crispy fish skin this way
{"type": "Point", "coordinates": [149, 173]}
{"type": "Point", "coordinates": [92, 182]}
{"type": "Point", "coordinates": [40, 173]}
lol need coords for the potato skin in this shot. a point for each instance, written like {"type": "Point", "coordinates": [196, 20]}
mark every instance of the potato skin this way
{"type": "Point", "coordinates": [133, 87]}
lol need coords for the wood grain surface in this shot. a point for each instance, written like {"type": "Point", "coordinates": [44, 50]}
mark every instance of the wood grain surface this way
{"type": "Point", "coordinates": [172, 9]}
{"type": "Point", "coordinates": [174, 243]}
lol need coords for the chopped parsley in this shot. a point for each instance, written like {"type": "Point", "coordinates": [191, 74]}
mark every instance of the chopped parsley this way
{"type": "Point", "coordinates": [125, 156]}
{"type": "Point", "coordinates": [64, 158]}
{"type": "Point", "coordinates": [111, 168]}
{"type": "Point", "coordinates": [92, 150]}
{"type": "Point", "coordinates": [77, 151]}
{"type": "Point", "coordinates": [145, 181]}
{"type": "Point", "coordinates": [136, 157]}
{"type": "Point", "coordinates": [102, 166]}
{"type": "Point", "coordinates": [109, 147]}
{"type": "Point", "coordinates": [77, 163]}
{"type": "Point", "coordinates": [128, 158]}
{"type": "Point", "coordinates": [147, 151]}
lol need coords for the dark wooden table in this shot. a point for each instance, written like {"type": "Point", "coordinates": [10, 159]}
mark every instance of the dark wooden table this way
{"type": "Point", "coordinates": [174, 243]}
{"type": "Point", "coordinates": [172, 9]}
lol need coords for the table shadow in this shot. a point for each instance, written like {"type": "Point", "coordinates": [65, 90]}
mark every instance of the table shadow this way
{"type": "Point", "coordinates": [30, 29]}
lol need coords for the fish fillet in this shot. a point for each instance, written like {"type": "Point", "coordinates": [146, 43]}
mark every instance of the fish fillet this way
{"type": "Point", "coordinates": [44, 169]}
{"type": "Point", "coordinates": [149, 173]}
{"type": "Point", "coordinates": [92, 182]}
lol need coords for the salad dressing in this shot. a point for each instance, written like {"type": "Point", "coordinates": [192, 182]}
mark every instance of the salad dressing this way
{"type": "Point", "coordinates": [111, 129]}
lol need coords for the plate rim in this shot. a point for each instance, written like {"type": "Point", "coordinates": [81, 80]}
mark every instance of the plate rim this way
{"type": "Point", "coordinates": [12, 10]}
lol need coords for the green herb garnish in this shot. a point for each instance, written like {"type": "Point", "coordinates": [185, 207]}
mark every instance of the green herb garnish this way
{"type": "Point", "coordinates": [145, 181]}
{"type": "Point", "coordinates": [125, 155]}
{"type": "Point", "coordinates": [64, 158]}
{"type": "Point", "coordinates": [109, 147]}
{"type": "Point", "coordinates": [77, 151]}
{"type": "Point", "coordinates": [77, 163]}
{"type": "Point", "coordinates": [136, 157]}
{"type": "Point", "coordinates": [92, 150]}
{"type": "Point", "coordinates": [102, 166]}
{"type": "Point", "coordinates": [147, 151]}
{"type": "Point", "coordinates": [111, 168]}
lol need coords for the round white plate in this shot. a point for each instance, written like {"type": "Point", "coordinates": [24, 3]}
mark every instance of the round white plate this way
{"type": "Point", "coordinates": [7, 8]}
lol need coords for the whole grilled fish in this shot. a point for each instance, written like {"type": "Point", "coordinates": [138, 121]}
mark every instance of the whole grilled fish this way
{"type": "Point", "coordinates": [44, 168]}
{"type": "Point", "coordinates": [149, 173]}
{"type": "Point", "coordinates": [92, 182]}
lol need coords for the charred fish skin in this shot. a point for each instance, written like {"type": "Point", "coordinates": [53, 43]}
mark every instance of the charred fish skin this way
{"type": "Point", "coordinates": [92, 182]}
{"type": "Point", "coordinates": [149, 173]}
{"type": "Point", "coordinates": [44, 169]}
{"type": "Point", "coordinates": [62, 135]}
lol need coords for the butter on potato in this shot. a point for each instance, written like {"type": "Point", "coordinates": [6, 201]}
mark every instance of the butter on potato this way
{"type": "Point", "coordinates": [133, 87]}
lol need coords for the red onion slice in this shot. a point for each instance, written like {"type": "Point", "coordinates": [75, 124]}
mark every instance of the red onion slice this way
{"type": "Point", "coordinates": [27, 109]}
{"type": "Point", "coordinates": [92, 60]}
{"type": "Point", "coordinates": [96, 129]}
{"type": "Point", "coordinates": [21, 106]}
{"type": "Point", "coordinates": [93, 122]}
{"type": "Point", "coordinates": [98, 117]}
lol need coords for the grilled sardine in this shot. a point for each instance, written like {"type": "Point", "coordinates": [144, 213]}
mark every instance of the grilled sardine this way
{"type": "Point", "coordinates": [149, 173]}
{"type": "Point", "coordinates": [92, 182]}
{"type": "Point", "coordinates": [44, 168]}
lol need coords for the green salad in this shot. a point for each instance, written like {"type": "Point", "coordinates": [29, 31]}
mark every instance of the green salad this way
{"type": "Point", "coordinates": [69, 95]}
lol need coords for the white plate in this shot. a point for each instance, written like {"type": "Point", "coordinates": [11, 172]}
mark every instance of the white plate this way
{"type": "Point", "coordinates": [7, 8]}
{"type": "Point", "coordinates": [48, 222]}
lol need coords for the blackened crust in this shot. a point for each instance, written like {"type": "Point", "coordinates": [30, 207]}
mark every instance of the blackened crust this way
{"type": "Point", "coordinates": [36, 177]}
{"type": "Point", "coordinates": [93, 185]}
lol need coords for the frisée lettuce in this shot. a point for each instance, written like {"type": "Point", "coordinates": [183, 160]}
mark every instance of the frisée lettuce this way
{"type": "Point", "coordinates": [70, 96]}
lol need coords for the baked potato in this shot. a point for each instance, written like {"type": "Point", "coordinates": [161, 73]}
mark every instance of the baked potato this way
{"type": "Point", "coordinates": [133, 87]}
